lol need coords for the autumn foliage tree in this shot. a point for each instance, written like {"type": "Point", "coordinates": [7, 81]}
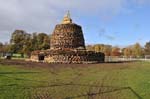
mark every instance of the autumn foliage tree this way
{"type": "Point", "coordinates": [127, 52]}
{"type": "Point", "coordinates": [137, 50]}
{"type": "Point", "coordinates": [106, 49]}
{"type": "Point", "coordinates": [115, 51]}
{"type": "Point", "coordinates": [147, 48]}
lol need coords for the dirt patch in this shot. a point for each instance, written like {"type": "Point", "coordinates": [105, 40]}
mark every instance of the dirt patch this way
{"type": "Point", "coordinates": [41, 64]}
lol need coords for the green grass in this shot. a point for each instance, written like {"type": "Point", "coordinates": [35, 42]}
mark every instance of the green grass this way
{"type": "Point", "coordinates": [99, 81]}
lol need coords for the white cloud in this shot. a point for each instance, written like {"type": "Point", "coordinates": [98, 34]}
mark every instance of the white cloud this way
{"type": "Point", "coordinates": [42, 15]}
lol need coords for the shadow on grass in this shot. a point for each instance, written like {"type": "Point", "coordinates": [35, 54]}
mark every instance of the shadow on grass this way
{"type": "Point", "coordinates": [110, 91]}
{"type": "Point", "coordinates": [90, 94]}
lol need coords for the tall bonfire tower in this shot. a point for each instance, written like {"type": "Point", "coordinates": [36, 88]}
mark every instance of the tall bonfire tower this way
{"type": "Point", "coordinates": [67, 46]}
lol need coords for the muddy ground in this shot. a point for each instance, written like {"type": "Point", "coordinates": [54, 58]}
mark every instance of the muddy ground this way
{"type": "Point", "coordinates": [41, 64]}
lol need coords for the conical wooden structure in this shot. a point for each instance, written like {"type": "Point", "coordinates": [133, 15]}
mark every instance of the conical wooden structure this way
{"type": "Point", "coordinates": [67, 35]}
{"type": "Point", "coordinates": [67, 46]}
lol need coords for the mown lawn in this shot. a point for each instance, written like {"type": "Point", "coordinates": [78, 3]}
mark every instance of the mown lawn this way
{"type": "Point", "coordinates": [80, 81]}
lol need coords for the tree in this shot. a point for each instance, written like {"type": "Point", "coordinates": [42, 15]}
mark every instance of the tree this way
{"type": "Point", "coordinates": [1, 46]}
{"type": "Point", "coordinates": [147, 48]}
{"type": "Point", "coordinates": [6, 47]}
{"type": "Point", "coordinates": [24, 43]}
{"type": "Point", "coordinates": [127, 52]}
{"type": "Point", "coordinates": [97, 48]}
{"type": "Point", "coordinates": [27, 47]}
{"type": "Point", "coordinates": [137, 50]}
{"type": "Point", "coordinates": [34, 42]}
{"type": "Point", "coordinates": [40, 41]}
{"type": "Point", "coordinates": [107, 50]}
{"type": "Point", "coordinates": [1, 49]}
{"type": "Point", "coordinates": [89, 48]}
{"type": "Point", "coordinates": [20, 42]}
{"type": "Point", "coordinates": [43, 41]}
{"type": "Point", "coordinates": [115, 51]}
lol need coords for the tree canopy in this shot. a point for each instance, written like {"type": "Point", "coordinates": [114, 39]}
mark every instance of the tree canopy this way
{"type": "Point", "coordinates": [147, 48]}
{"type": "Point", "coordinates": [24, 43]}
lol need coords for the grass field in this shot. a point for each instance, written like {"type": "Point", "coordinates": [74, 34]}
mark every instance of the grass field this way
{"type": "Point", "coordinates": [77, 81]}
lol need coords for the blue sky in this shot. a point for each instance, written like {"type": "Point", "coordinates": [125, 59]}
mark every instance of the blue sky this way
{"type": "Point", "coordinates": [114, 22]}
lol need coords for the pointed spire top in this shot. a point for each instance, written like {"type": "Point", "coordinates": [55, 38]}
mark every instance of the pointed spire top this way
{"type": "Point", "coordinates": [68, 14]}
{"type": "Point", "coordinates": [67, 19]}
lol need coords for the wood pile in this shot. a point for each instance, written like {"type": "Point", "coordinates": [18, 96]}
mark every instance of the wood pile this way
{"type": "Point", "coordinates": [67, 46]}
